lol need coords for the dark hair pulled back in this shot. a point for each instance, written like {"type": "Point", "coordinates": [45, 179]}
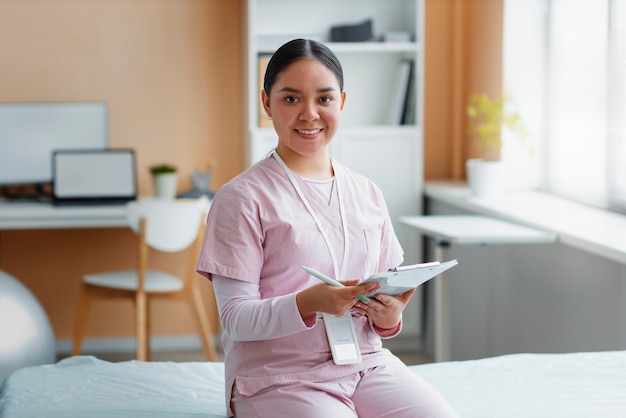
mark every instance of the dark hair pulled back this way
{"type": "Point", "coordinates": [298, 49]}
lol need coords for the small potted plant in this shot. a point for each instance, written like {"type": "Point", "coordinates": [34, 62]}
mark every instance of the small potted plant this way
{"type": "Point", "coordinates": [165, 180]}
{"type": "Point", "coordinates": [487, 118]}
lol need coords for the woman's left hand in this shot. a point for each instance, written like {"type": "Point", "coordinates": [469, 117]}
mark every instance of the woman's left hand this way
{"type": "Point", "coordinates": [384, 310]}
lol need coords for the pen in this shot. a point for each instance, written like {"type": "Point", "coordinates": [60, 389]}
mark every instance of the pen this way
{"type": "Point", "coordinates": [330, 281]}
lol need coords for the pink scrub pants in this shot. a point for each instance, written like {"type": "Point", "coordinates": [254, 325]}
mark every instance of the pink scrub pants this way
{"type": "Point", "coordinates": [391, 391]}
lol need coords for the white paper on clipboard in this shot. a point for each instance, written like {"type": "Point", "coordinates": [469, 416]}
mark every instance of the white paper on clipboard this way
{"type": "Point", "coordinates": [397, 281]}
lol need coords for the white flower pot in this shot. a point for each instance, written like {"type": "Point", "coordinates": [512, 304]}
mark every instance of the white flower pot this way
{"type": "Point", "coordinates": [485, 178]}
{"type": "Point", "coordinates": [165, 185]}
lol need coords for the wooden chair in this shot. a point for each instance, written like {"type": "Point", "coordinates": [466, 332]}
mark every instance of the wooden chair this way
{"type": "Point", "coordinates": [166, 226]}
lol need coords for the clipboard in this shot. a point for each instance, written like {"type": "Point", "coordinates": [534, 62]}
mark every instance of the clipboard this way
{"type": "Point", "coordinates": [402, 279]}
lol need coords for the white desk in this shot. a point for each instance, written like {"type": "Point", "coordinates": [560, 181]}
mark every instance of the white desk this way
{"type": "Point", "coordinates": [39, 215]}
{"type": "Point", "coordinates": [465, 230]}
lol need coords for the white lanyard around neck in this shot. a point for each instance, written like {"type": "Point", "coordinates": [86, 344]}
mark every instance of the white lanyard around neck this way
{"type": "Point", "coordinates": [339, 275]}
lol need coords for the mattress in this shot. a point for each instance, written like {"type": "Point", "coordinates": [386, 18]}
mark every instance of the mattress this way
{"type": "Point", "coordinates": [517, 385]}
{"type": "Point", "coordinates": [534, 385]}
{"type": "Point", "coordinates": [86, 387]}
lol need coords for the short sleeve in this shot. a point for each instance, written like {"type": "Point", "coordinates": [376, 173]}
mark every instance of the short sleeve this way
{"type": "Point", "coordinates": [232, 244]}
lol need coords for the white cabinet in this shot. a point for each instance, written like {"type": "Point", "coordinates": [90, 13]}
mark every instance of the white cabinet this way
{"type": "Point", "coordinates": [368, 140]}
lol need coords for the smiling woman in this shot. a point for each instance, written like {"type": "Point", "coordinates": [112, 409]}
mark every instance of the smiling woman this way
{"type": "Point", "coordinates": [289, 339]}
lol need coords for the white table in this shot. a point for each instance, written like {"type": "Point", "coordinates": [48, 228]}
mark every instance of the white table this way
{"type": "Point", "coordinates": [42, 215]}
{"type": "Point", "coordinates": [447, 230]}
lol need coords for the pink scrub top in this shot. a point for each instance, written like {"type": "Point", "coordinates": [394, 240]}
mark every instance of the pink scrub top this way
{"type": "Point", "coordinates": [260, 232]}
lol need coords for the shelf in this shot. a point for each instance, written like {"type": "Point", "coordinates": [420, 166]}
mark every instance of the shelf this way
{"type": "Point", "coordinates": [374, 71]}
{"type": "Point", "coordinates": [380, 129]}
{"type": "Point", "coordinates": [364, 130]}
{"type": "Point", "coordinates": [354, 47]}
{"type": "Point", "coordinates": [375, 82]}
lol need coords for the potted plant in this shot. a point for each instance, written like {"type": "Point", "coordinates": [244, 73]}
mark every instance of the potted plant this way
{"type": "Point", "coordinates": [487, 118]}
{"type": "Point", "coordinates": [165, 180]}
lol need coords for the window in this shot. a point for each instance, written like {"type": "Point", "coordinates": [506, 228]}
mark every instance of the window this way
{"type": "Point", "coordinates": [565, 64]}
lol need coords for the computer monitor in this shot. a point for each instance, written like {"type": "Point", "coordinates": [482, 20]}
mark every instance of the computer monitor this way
{"type": "Point", "coordinates": [31, 132]}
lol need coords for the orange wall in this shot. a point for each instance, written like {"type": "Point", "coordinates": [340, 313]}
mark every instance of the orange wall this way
{"type": "Point", "coordinates": [171, 71]}
{"type": "Point", "coordinates": [463, 55]}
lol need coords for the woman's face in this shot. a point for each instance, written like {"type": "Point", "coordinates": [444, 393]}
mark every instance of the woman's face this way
{"type": "Point", "coordinates": [305, 104]}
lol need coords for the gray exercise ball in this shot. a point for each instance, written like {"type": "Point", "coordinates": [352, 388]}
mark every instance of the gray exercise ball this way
{"type": "Point", "coordinates": [26, 337]}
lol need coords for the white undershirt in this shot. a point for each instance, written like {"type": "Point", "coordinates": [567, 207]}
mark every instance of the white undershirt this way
{"type": "Point", "coordinates": [323, 187]}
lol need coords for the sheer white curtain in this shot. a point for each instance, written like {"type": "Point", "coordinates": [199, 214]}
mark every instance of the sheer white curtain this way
{"type": "Point", "coordinates": [569, 78]}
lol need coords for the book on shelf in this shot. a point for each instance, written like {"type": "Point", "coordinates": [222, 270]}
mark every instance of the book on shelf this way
{"type": "Point", "coordinates": [408, 112]}
{"type": "Point", "coordinates": [399, 112]}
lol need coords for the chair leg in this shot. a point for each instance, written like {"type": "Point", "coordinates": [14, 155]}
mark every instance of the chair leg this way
{"type": "Point", "coordinates": [203, 323]}
{"type": "Point", "coordinates": [81, 319]}
{"type": "Point", "coordinates": [148, 327]}
{"type": "Point", "coordinates": [141, 325]}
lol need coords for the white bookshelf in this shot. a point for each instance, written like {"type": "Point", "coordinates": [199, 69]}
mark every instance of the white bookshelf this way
{"type": "Point", "coordinates": [390, 154]}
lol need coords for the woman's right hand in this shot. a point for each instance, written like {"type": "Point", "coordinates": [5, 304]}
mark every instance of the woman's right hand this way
{"type": "Point", "coordinates": [330, 299]}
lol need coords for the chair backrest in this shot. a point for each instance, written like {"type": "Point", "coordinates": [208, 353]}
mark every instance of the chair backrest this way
{"type": "Point", "coordinates": [171, 225]}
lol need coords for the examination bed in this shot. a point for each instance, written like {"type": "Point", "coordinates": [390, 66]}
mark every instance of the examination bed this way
{"type": "Point", "coordinates": [517, 385]}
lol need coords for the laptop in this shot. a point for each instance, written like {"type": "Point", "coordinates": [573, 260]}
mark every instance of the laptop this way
{"type": "Point", "coordinates": [93, 177]}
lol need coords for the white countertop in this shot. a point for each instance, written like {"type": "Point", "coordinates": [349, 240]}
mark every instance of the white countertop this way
{"type": "Point", "coordinates": [476, 230]}
{"type": "Point", "coordinates": [594, 230]}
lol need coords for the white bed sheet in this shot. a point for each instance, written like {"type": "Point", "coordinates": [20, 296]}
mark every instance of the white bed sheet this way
{"type": "Point", "coordinates": [87, 387]}
{"type": "Point", "coordinates": [534, 385]}
{"type": "Point", "coordinates": [518, 385]}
